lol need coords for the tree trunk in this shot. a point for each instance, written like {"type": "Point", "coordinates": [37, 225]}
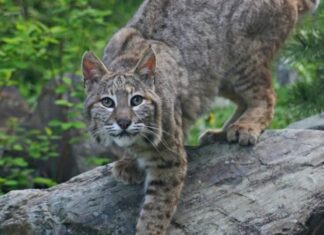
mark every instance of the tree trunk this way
{"type": "Point", "coordinates": [275, 187]}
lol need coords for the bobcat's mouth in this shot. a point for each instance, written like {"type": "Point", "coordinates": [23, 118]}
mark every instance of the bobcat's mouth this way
{"type": "Point", "coordinates": [125, 138]}
{"type": "Point", "coordinates": [125, 133]}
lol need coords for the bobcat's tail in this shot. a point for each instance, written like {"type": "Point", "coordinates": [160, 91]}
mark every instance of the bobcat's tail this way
{"type": "Point", "coordinates": [307, 5]}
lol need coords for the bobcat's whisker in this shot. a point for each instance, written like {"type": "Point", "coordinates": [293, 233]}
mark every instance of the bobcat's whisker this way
{"type": "Point", "coordinates": [163, 131]}
{"type": "Point", "coordinates": [161, 141]}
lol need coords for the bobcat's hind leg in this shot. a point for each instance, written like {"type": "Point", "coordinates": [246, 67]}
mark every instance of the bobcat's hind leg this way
{"type": "Point", "coordinates": [255, 99]}
{"type": "Point", "coordinates": [259, 97]}
{"type": "Point", "coordinates": [220, 135]}
{"type": "Point", "coordinates": [128, 171]}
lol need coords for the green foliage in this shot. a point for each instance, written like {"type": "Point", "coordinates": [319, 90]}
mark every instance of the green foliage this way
{"type": "Point", "coordinates": [15, 170]}
{"type": "Point", "coordinates": [43, 182]}
{"type": "Point", "coordinates": [284, 114]}
{"type": "Point", "coordinates": [41, 41]}
{"type": "Point", "coordinates": [97, 161]}
{"type": "Point", "coordinates": [306, 54]}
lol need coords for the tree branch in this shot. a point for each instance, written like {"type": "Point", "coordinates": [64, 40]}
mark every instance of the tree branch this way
{"type": "Point", "coordinates": [275, 187]}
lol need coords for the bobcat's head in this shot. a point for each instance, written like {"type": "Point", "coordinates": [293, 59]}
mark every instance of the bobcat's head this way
{"type": "Point", "coordinates": [122, 107]}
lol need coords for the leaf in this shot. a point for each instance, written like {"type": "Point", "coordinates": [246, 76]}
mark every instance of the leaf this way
{"type": "Point", "coordinates": [19, 162]}
{"type": "Point", "coordinates": [17, 147]}
{"type": "Point", "coordinates": [98, 161]}
{"type": "Point", "coordinates": [78, 125]}
{"type": "Point", "coordinates": [63, 102]}
{"type": "Point", "coordinates": [60, 89]}
{"type": "Point", "coordinates": [2, 180]}
{"type": "Point", "coordinates": [44, 181]}
{"type": "Point", "coordinates": [58, 29]}
{"type": "Point", "coordinates": [53, 154]}
{"type": "Point", "coordinates": [67, 81]}
{"type": "Point", "coordinates": [48, 131]}
{"type": "Point", "coordinates": [34, 151]}
{"type": "Point", "coordinates": [55, 123]}
{"type": "Point", "coordinates": [11, 183]}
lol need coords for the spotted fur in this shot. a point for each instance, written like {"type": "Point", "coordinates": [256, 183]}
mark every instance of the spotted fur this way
{"type": "Point", "coordinates": [164, 68]}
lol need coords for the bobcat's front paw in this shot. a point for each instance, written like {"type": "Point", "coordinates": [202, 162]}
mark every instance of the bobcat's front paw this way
{"type": "Point", "coordinates": [127, 171]}
{"type": "Point", "coordinates": [212, 136]}
{"type": "Point", "coordinates": [244, 134]}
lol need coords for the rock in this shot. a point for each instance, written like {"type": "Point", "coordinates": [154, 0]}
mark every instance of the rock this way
{"type": "Point", "coordinates": [221, 102]}
{"type": "Point", "coordinates": [12, 105]}
{"type": "Point", "coordinates": [315, 122]}
{"type": "Point", "coordinates": [275, 187]}
{"type": "Point", "coordinates": [285, 73]}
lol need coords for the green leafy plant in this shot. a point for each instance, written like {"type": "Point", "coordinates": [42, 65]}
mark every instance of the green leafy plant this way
{"type": "Point", "coordinates": [43, 41]}
{"type": "Point", "coordinates": [306, 54]}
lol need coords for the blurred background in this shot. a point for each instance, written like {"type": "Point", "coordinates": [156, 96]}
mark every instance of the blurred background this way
{"type": "Point", "coordinates": [43, 138]}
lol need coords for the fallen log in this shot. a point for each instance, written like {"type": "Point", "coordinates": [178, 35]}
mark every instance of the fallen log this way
{"type": "Point", "coordinates": [275, 187]}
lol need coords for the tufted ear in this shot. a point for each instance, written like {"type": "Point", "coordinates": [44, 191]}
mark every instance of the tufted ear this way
{"type": "Point", "coordinates": [146, 65]}
{"type": "Point", "coordinates": [93, 69]}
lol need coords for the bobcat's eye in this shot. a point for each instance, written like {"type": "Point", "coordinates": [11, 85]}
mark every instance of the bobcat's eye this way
{"type": "Point", "coordinates": [136, 100]}
{"type": "Point", "coordinates": [108, 102]}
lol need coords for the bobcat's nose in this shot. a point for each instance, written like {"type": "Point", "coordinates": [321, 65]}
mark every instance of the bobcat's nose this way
{"type": "Point", "coordinates": [124, 123]}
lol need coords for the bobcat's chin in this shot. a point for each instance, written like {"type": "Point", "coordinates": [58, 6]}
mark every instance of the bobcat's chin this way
{"type": "Point", "coordinates": [125, 141]}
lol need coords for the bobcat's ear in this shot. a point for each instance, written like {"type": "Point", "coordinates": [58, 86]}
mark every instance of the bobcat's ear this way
{"type": "Point", "coordinates": [93, 69]}
{"type": "Point", "coordinates": [146, 65]}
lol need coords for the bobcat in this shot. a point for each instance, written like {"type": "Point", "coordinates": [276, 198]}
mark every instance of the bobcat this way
{"type": "Point", "coordinates": [164, 68]}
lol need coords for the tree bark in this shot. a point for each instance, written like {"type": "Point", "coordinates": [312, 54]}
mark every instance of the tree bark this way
{"type": "Point", "coordinates": [275, 187]}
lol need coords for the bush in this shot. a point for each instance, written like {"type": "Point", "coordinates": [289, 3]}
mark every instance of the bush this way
{"type": "Point", "coordinates": [41, 41]}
